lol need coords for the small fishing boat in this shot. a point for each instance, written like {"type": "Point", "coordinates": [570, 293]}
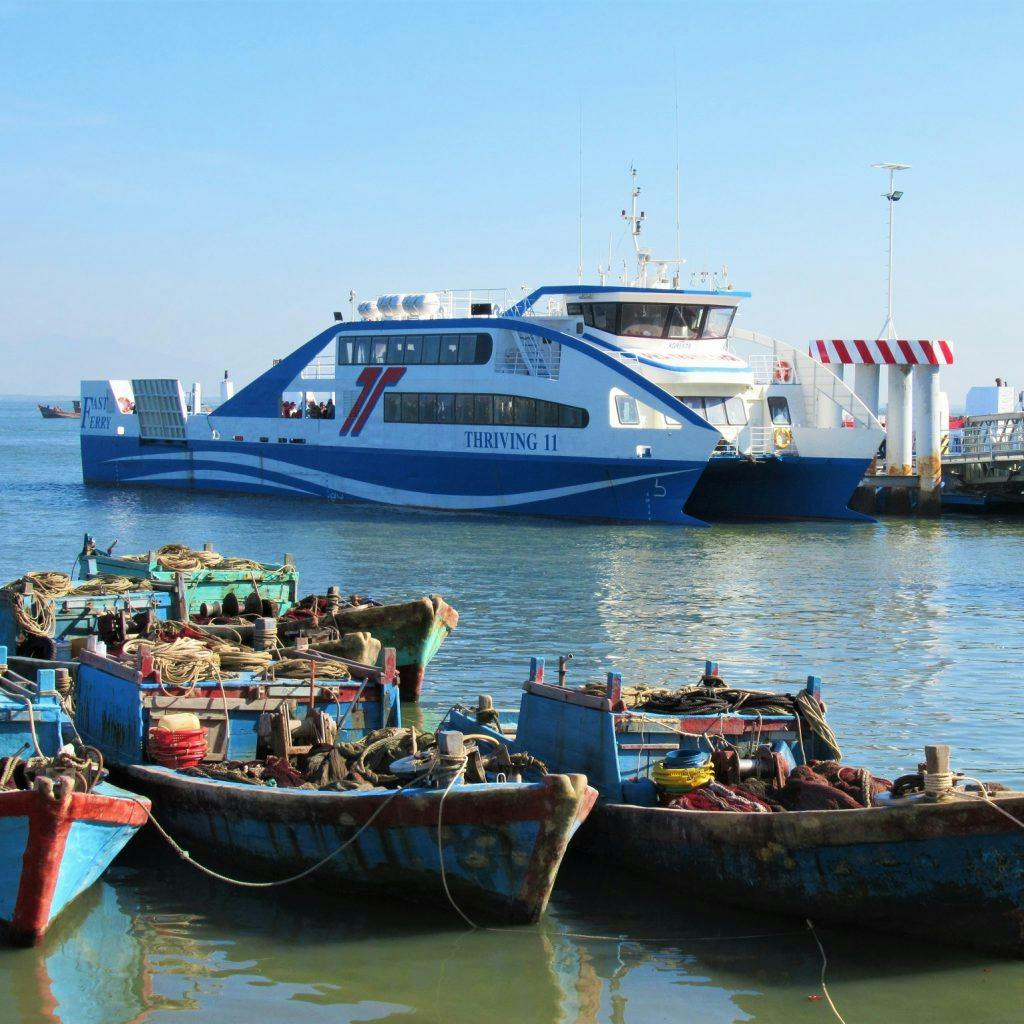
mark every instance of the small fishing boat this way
{"type": "Point", "coordinates": [214, 590]}
{"type": "Point", "coordinates": [740, 796]}
{"type": "Point", "coordinates": [205, 582]}
{"type": "Point", "coordinates": [415, 629]}
{"type": "Point", "coordinates": [60, 824]}
{"type": "Point", "coordinates": [301, 768]}
{"type": "Point", "coordinates": [55, 412]}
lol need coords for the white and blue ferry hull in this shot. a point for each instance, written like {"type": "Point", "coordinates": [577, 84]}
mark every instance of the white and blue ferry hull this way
{"type": "Point", "coordinates": [642, 490]}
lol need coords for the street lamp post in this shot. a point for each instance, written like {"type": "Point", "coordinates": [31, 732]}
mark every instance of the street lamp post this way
{"type": "Point", "coordinates": [899, 444]}
{"type": "Point", "coordinates": [888, 331]}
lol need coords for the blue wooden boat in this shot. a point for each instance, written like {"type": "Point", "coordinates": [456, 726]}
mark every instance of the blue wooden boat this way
{"type": "Point", "coordinates": [37, 622]}
{"type": "Point", "coordinates": [949, 867]}
{"type": "Point", "coordinates": [490, 848]}
{"type": "Point", "coordinates": [58, 830]}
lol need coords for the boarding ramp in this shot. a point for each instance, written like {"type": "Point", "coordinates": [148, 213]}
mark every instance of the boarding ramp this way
{"type": "Point", "coordinates": [160, 406]}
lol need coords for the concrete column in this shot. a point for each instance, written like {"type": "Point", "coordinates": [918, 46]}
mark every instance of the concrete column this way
{"type": "Point", "coordinates": [928, 438]}
{"type": "Point", "coordinates": [826, 413]}
{"type": "Point", "coordinates": [867, 378]}
{"type": "Point", "coordinates": [899, 440]}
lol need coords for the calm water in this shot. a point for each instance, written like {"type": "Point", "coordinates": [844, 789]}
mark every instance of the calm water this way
{"type": "Point", "coordinates": [915, 628]}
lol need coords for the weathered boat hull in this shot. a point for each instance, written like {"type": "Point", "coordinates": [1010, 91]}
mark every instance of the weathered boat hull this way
{"type": "Point", "coordinates": [502, 843]}
{"type": "Point", "coordinates": [415, 629]}
{"type": "Point", "coordinates": [51, 850]}
{"type": "Point", "coordinates": [949, 871]}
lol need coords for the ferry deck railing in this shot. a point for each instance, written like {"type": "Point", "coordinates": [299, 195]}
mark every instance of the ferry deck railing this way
{"type": "Point", "coordinates": [999, 437]}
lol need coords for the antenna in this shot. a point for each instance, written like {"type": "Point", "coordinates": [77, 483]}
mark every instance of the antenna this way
{"type": "Point", "coordinates": [888, 331]}
{"type": "Point", "coordinates": [579, 265]}
{"type": "Point", "coordinates": [675, 83]}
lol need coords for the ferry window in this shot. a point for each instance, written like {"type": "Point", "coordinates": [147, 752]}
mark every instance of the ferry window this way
{"type": "Point", "coordinates": [629, 414]}
{"type": "Point", "coordinates": [413, 347]}
{"type": "Point", "coordinates": [719, 321]}
{"type": "Point", "coordinates": [568, 416]}
{"type": "Point", "coordinates": [573, 309]}
{"type": "Point", "coordinates": [642, 320]}
{"type": "Point", "coordinates": [694, 405]}
{"type": "Point", "coordinates": [410, 408]}
{"type": "Point", "coordinates": [483, 408]}
{"type": "Point", "coordinates": [431, 343]}
{"type": "Point", "coordinates": [526, 412]}
{"type": "Point", "coordinates": [684, 322]}
{"type": "Point", "coordinates": [392, 408]}
{"type": "Point", "coordinates": [362, 351]}
{"type": "Point", "coordinates": [428, 408]}
{"type": "Point", "coordinates": [504, 409]}
{"type": "Point", "coordinates": [715, 411]}
{"type": "Point", "coordinates": [467, 348]}
{"type": "Point", "coordinates": [464, 405]}
{"type": "Point", "coordinates": [379, 353]}
{"type": "Point", "coordinates": [602, 315]}
{"type": "Point", "coordinates": [346, 350]}
{"type": "Point", "coordinates": [778, 409]}
{"type": "Point", "coordinates": [484, 345]}
{"type": "Point", "coordinates": [736, 411]}
{"type": "Point", "coordinates": [445, 408]}
{"type": "Point", "coordinates": [450, 348]}
{"type": "Point", "coordinates": [396, 349]}
{"type": "Point", "coordinates": [547, 414]}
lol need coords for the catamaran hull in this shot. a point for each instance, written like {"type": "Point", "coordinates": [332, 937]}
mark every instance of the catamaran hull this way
{"type": "Point", "coordinates": [778, 488]}
{"type": "Point", "coordinates": [642, 490]}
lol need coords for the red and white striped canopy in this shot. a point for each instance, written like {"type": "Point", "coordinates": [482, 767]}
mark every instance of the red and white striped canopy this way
{"type": "Point", "coordinates": [891, 353]}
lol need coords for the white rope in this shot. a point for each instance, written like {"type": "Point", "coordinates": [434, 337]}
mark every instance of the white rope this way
{"type": "Point", "coordinates": [824, 966]}
{"type": "Point", "coordinates": [184, 854]}
{"type": "Point", "coordinates": [440, 850]}
{"type": "Point", "coordinates": [983, 795]}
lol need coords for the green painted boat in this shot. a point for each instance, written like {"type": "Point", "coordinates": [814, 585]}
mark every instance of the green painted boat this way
{"type": "Point", "coordinates": [207, 583]}
{"type": "Point", "coordinates": [415, 629]}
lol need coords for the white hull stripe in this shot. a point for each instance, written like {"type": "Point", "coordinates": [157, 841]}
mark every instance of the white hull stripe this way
{"type": "Point", "coordinates": [393, 495]}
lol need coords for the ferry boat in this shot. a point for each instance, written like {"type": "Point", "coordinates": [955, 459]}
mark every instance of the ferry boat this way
{"type": "Point", "coordinates": [626, 402]}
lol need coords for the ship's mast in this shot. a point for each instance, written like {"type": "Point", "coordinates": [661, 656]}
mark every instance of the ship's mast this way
{"type": "Point", "coordinates": [635, 219]}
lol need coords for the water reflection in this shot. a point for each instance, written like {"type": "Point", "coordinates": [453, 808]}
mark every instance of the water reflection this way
{"type": "Point", "coordinates": [155, 942]}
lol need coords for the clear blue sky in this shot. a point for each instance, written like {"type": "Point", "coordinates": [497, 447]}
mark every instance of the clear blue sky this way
{"type": "Point", "coordinates": [187, 187]}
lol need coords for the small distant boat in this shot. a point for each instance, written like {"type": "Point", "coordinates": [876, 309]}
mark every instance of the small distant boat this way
{"type": "Point", "coordinates": [55, 412]}
{"type": "Point", "coordinates": [921, 856]}
{"type": "Point", "coordinates": [492, 848]}
{"type": "Point", "coordinates": [60, 825]}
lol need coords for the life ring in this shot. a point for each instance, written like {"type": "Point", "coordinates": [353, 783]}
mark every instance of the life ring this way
{"type": "Point", "coordinates": [783, 438]}
{"type": "Point", "coordinates": [783, 372]}
{"type": "Point", "coordinates": [124, 404]}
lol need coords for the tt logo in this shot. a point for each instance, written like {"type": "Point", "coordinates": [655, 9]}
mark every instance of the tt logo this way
{"type": "Point", "coordinates": [374, 381]}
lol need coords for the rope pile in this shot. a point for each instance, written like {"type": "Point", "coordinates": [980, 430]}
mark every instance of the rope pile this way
{"type": "Point", "coordinates": [234, 656]}
{"type": "Point", "coordinates": [83, 769]}
{"type": "Point", "coordinates": [302, 668]}
{"type": "Point", "coordinates": [182, 558]}
{"type": "Point", "coordinates": [714, 698]}
{"type": "Point", "coordinates": [109, 585]}
{"type": "Point", "coordinates": [361, 764]}
{"type": "Point", "coordinates": [181, 662]}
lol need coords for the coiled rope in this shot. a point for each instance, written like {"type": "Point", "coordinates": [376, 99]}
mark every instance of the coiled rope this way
{"type": "Point", "coordinates": [182, 558]}
{"type": "Point", "coordinates": [182, 662]}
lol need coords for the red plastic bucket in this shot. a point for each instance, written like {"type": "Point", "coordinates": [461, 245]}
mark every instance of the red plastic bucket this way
{"type": "Point", "coordinates": [182, 749]}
